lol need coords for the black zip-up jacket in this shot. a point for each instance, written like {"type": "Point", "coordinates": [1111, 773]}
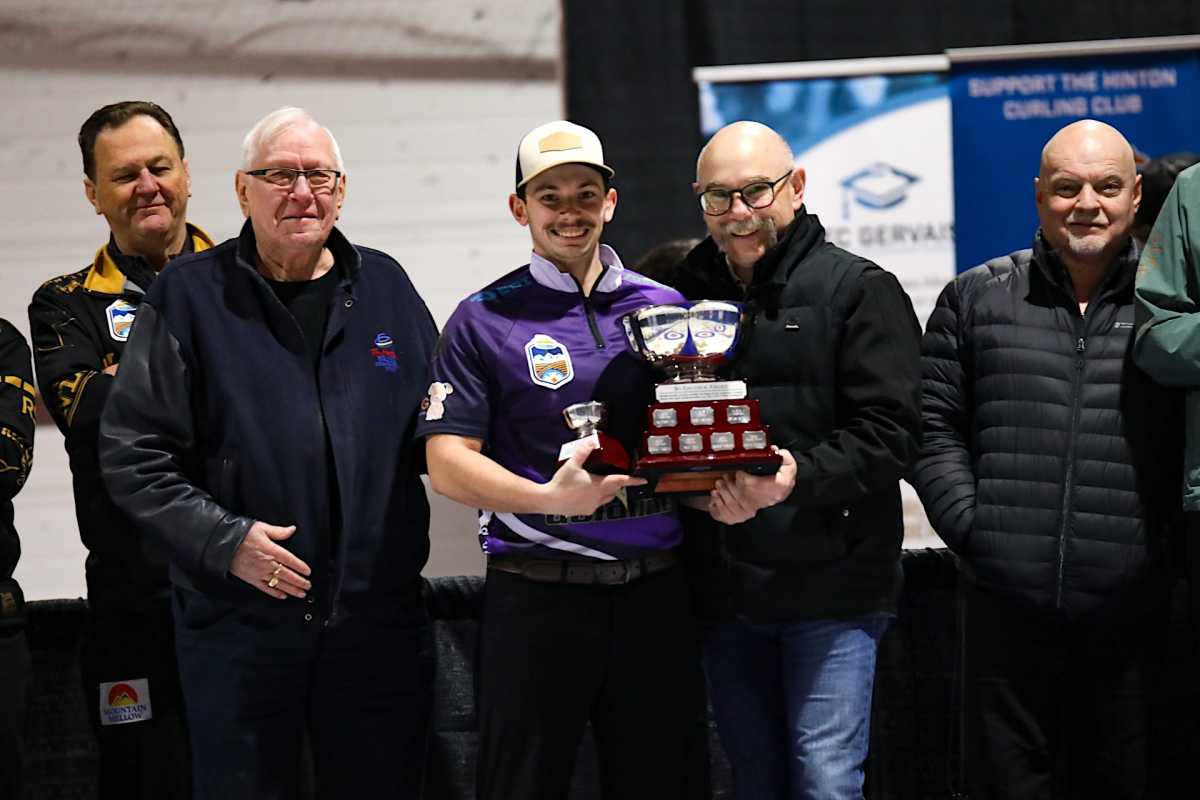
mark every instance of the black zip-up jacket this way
{"type": "Point", "coordinates": [1051, 465]}
{"type": "Point", "coordinates": [17, 398]}
{"type": "Point", "coordinates": [831, 351]}
{"type": "Point", "coordinates": [79, 324]}
{"type": "Point", "coordinates": [217, 419]}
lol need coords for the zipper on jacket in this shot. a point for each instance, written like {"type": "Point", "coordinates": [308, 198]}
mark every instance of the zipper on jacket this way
{"type": "Point", "coordinates": [591, 319]}
{"type": "Point", "coordinates": [334, 575]}
{"type": "Point", "coordinates": [1069, 482]}
{"type": "Point", "coordinates": [590, 313]}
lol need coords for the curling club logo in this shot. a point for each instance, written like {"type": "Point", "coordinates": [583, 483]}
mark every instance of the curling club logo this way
{"type": "Point", "coordinates": [120, 319]}
{"type": "Point", "coordinates": [549, 362]}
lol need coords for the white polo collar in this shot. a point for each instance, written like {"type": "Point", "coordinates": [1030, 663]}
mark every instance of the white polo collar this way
{"type": "Point", "coordinates": [550, 276]}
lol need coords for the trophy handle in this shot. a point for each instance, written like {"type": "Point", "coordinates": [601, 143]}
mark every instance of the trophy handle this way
{"type": "Point", "coordinates": [634, 332]}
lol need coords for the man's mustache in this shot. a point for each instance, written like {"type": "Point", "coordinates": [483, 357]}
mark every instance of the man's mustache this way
{"type": "Point", "coordinates": [745, 227]}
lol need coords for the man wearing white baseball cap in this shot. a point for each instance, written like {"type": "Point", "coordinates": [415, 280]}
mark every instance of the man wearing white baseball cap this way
{"type": "Point", "coordinates": [586, 613]}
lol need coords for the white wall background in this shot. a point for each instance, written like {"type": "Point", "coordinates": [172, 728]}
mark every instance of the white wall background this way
{"type": "Point", "coordinates": [430, 168]}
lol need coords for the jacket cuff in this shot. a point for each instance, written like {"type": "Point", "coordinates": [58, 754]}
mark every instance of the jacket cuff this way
{"type": "Point", "coordinates": [223, 543]}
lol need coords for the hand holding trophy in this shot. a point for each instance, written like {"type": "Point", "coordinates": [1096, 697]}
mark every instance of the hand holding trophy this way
{"type": "Point", "coordinates": [609, 457]}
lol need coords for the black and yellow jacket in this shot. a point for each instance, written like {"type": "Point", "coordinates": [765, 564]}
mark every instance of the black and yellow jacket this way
{"type": "Point", "coordinates": [16, 456]}
{"type": "Point", "coordinates": [79, 324]}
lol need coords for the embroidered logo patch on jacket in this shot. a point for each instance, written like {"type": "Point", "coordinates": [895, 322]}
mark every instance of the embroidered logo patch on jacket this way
{"type": "Point", "coordinates": [384, 353]}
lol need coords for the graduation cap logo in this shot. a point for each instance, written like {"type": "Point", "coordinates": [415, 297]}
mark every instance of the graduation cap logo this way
{"type": "Point", "coordinates": [876, 187]}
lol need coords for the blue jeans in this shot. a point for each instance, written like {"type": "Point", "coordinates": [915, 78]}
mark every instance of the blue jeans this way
{"type": "Point", "coordinates": [793, 704]}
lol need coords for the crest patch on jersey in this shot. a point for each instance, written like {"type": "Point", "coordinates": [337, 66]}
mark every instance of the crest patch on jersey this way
{"type": "Point", "coordinates": [120, 319]}
{"type": "Point", "coordinates": [549, 362]}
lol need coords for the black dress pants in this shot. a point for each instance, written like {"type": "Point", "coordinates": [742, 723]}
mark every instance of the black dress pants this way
{"type": "Point", "coordinates": [147, 758]}
{"type": "Point", "coordinates": [359, 691]}
{"type": "Point", "coordinates": [1056, 710]}
{"type": "Point", "coordinates": [554, 656]}
{"type": "Point", "coordinates": [15, 676]}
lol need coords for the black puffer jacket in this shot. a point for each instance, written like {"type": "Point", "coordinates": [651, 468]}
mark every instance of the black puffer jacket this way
{"type": "Point", "coordinates": [1051, 464]}
{"type": "Point", "coordinates": [831, 351]}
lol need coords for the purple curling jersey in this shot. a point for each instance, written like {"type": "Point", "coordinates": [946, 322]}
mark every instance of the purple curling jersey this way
{"type": "Point", "coordinates": [510, 359]}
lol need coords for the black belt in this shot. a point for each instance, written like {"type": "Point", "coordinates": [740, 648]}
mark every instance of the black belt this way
{"type": "Point", "coordinates": [607, 573]}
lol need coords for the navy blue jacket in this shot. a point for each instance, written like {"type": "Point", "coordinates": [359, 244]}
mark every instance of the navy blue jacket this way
{"type": "Point", "coordinates": [216, 420]}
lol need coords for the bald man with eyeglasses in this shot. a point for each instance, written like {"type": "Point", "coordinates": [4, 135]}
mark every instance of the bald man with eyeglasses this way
{"type": "Point", "coordinates": [798, 573]}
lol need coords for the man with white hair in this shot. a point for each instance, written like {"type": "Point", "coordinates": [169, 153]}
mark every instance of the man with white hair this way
{"type": "Point", "coordinates": [1050, 467]}
{"type": "Point", "coordinates": [800, 574]}
{"type": "Point", "coordinates": [261, 429]}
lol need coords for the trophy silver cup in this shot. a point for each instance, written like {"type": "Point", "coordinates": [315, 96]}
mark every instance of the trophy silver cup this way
{"type": "Point", "coordinates": [609, 457]}
{"type": "Point", "coordinates": [701, 428]}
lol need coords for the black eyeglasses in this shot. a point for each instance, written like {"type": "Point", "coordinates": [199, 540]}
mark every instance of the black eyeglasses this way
{"type": "Point", "coordinates": [284, 177]}
{"type": "Point", "coordinates": [758, 194]}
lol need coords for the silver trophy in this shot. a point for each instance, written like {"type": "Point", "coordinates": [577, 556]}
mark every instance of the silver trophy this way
{"type": "Point", "coordinates": [584, 418]}
{"type": "Point", "coordinates": [701, 427]}
{"type": "Point", "coordinates": [689, 342]}
{"type": "Point", "coordinates": [609, 457]}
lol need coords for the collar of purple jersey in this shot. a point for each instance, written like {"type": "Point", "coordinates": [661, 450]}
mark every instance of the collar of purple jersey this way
{"type": "Point", "coordinates": [550, 276]}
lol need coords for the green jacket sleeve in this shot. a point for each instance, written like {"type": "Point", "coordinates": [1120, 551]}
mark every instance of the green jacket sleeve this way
{"type": "Point", "coordinates": [1167, 292]}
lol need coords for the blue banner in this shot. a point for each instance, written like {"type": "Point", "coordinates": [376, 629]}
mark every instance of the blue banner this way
{"type": "Point", "coordinates": [1003, 113]}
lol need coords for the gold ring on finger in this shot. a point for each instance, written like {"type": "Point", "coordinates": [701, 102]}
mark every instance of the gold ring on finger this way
{"type": "Point", "coordinates": [273, 582]}
{"type": "Point", "coordinates": [278, 569]}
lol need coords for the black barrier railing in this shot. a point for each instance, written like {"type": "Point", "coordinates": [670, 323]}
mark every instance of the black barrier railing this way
{"type": "Point", "coordinates": [914, 736]}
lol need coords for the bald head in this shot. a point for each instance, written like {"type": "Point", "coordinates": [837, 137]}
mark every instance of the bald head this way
{"type": "Point", "coordinates": [744, 140]}
{"type": "Point", "coordinates": [1087, 137]}
{"type": "Point", "coordinates": [745, 164]}
{"type": "Point", "coordinates": [1087, 193]}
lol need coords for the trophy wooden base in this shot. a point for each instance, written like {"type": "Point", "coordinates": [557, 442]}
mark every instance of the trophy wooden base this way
{"type": "Point", "coordinates": [699, 474]}
{"type": "Point", "coordinates": [698, 440]}
{"type": "Point", "coordinates": [690, 482]}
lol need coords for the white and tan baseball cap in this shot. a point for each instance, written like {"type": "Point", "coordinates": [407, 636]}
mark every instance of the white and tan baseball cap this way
{"type": "Point", "coordinates": [558, 142]}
